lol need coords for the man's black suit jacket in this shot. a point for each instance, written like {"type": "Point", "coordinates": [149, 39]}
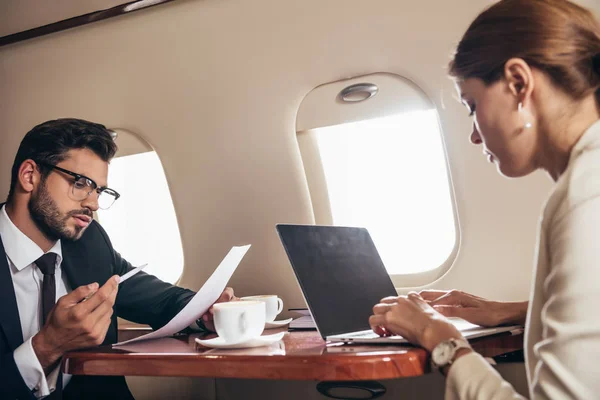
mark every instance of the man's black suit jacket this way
{"type": "Point", "coordinates": [143, 298]}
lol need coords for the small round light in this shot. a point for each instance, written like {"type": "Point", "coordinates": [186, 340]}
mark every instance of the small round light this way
{"type": "Point", "coordinates": [358, 92]}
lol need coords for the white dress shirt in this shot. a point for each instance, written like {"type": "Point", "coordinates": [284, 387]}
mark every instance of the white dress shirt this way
{"type": "Point", "coordinates": [562, 335]}
{"type": "Point", "coordinates": [27, 278]}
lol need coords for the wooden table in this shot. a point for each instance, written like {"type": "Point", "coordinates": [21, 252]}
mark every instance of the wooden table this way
{"type": "Point", "coordinates": [301, 355]}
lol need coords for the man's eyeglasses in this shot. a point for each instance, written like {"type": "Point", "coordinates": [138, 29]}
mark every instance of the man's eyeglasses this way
{"type": "Point", "coordinates": [83, 187]}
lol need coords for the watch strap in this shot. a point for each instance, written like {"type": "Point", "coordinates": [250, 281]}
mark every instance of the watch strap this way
{"type": "Point", "coordinates": [457, 344]}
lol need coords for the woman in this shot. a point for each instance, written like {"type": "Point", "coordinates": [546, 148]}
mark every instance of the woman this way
{"type": "Point", "coordinates": [529, 73]}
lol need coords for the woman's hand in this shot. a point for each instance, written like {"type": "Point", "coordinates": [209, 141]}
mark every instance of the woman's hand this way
{"type": "Point", "coordinates": [476, 310]}
{"type": "Point", "coordinates": [411, 317]}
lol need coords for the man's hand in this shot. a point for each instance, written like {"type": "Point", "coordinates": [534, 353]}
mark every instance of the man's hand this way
{"type": "Point", "coordinates": [79, 319]}
{"type": "Point", "coordinates": [226, 296]}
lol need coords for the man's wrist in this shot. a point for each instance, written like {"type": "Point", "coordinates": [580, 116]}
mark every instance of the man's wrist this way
{"type": "Point", "coordinates": [47, 356]}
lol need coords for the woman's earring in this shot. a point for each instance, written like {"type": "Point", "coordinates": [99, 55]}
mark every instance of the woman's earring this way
{"type": "Point", "coordinates": [528, 124]}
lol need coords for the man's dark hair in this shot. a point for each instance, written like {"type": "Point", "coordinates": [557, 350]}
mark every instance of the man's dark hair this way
{"type": "Point", "coordinates": [49, 143]}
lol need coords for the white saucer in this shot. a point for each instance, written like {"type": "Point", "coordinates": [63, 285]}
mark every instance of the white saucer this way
{"type": "Point", "coordinates": [277, 324]}
{"type": "Point", "coordinates": [219, 343]}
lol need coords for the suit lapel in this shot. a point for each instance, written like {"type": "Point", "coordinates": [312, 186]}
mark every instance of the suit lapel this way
{"type": "Point", "coordinates": [78, 263]}
{"type": "Point", "coordinates": [9, 312]}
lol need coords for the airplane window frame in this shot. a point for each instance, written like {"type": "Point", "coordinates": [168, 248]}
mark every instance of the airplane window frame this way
{"type": "Point", "coordinates": [309, 118]}
{"type": "Point", "coordinates": [132, 145]}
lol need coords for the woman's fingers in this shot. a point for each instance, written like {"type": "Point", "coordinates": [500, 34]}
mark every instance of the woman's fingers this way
{"type": "Point", "coordinates": [448, 297]}
{"type": "Point", "coordinates": [477, 316]}
{"type": "Point", "coordinates": [381, 308]}
{"type": "Point", "coordinates": [392, 317]}
{"type": "Point", "coordinates": [414, 296]}
{"type": "Point", "coordinates": [431, 295]}
{"type": "Point", "coordinates": [453, 298]}
{"type": "Point", "coordinates": [410, 316]}
{"type": "Point", "coordinates": [468, 307]}
{"type": "Point", "coordinates": [390, 300]}
{"type": "Point", "coordinates": [377, 322]}
{"type": "Point", "coordinates": [453, 311]}
{"type": "Point", "coordinates": [378, 330]}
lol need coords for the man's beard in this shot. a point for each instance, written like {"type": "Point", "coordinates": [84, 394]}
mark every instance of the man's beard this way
{"type": "Point", "coordinates": [48, 218]}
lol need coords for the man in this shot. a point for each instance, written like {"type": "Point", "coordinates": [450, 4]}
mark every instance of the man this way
{"type": "Point", "coordinates": [58, 270]}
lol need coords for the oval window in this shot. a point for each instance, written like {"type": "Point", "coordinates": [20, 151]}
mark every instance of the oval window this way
{"type": "Point", "coordinates": [142, 224]}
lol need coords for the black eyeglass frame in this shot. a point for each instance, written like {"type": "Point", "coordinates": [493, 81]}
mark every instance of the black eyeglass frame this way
{"type": "Point", "coordinates": [77, 177]}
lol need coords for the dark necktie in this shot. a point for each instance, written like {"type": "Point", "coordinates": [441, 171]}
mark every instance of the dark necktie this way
{"type": "Point", "coordinates": [47, 264]}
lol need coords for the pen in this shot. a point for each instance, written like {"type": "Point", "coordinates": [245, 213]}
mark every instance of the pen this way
{"type": "Point", "coordinates": [123, 278]}
{"type": "Point", "coordinates": [132, 273]}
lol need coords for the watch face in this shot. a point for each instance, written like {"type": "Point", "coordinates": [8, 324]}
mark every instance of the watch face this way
{"type": "Point", "coordinates": [442, 353]}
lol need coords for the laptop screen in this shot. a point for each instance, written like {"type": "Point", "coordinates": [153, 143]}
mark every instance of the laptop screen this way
{"type": "Point", "coordinates": [340, 273]}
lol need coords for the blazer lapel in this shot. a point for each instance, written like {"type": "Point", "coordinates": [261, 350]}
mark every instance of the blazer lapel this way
{"type": "Point", "coordinates": [78, 264]}
{"type": "Point", "coordinates": [9, 312]}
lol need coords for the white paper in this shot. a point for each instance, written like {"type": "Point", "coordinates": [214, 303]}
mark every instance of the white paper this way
{"type": "Point", "coordinates": [162, 345]}
{"type": "Point", "coordinates": [201, 302]}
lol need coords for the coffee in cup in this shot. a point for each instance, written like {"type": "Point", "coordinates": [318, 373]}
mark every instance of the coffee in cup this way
{"type": "Point", "coordinates": [273, 303]}
{"type": "Point", "coordinates": [239, 321]}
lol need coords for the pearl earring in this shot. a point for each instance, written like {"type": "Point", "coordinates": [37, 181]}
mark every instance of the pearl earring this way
{"type": "Point", "coordinates": [528, 124]}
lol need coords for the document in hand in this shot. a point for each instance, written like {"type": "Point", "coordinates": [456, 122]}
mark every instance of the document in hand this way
{"type": "Point", "coordinates": [201, 302]}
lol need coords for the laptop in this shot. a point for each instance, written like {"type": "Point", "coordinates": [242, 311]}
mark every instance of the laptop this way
{"type": "Point", "coordinates": [342, 277]}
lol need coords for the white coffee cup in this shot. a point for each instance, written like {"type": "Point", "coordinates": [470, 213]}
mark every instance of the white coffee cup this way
{"type": "Point", "coordinates": [239, 321]}
{"type": "Point", "coordinates": [273, 303]}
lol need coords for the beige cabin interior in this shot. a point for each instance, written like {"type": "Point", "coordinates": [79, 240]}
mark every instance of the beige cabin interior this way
{"type": "Point", "coordinates": [215, 88]}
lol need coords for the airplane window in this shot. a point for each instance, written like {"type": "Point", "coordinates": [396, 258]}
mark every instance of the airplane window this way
{"type": "Point", "coordinates": [142, 224]}
{"type": "Point", "coordinates": [386, 171]}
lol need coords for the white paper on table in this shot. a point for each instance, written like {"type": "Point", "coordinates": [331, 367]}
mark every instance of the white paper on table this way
{"type": "Point", "coordinates": [201, 302]}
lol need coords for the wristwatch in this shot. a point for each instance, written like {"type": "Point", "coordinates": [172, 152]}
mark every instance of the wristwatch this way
{"type": "Point", "coordinates": [443, 354]}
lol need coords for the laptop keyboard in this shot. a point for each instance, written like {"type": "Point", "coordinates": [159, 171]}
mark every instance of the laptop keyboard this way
{"type": "Point", "coordinates": [363, 335]}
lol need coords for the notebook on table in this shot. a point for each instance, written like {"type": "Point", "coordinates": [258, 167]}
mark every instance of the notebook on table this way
{"type": "Point", "coordinates": [342, 277]}
{"type": "Point", "coordinates": [304, 322]}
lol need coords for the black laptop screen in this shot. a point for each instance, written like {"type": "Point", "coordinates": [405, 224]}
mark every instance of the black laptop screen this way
{"type": "Point", "coordinates": [340, 273]}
